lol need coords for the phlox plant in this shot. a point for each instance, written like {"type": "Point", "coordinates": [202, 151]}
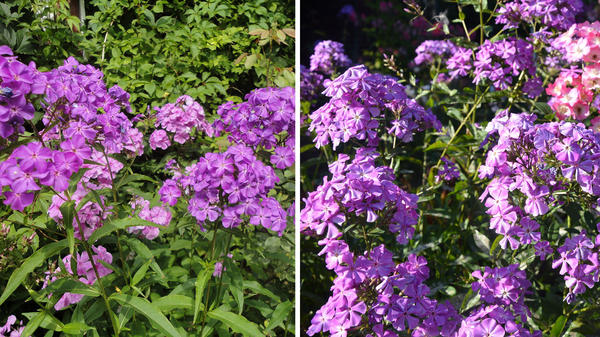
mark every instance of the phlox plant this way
{"type": "Point", "coordinates": [97, 241]}
{"type": "Point", "coordinates": [454, 192]}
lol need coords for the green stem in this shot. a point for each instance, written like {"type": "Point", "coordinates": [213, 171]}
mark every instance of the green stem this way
{"type": "Point", "coordinates": [90, 253]}
{"type": "Point", "coordinates": [462, 124]}
{"type": "Point", "coordinates": [212, 257]}
{"type": "Point", "coordinates": [221, 277]}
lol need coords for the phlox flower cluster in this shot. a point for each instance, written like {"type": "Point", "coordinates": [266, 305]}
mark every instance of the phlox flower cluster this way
{"type": "Point", "coordinates": [10, 329]}
{"type": "Point", "coordinates": [379, 297]}
{"type": "Point", "coordinates": [558, 14]}
{"type": "Point", "coordinates": [359, 101]}
{"type": "Point", "coordinates": [429, 50]}
{"type": "Point", "coordinates": [79, 105]}
{"type": "Point", "coordinates": [92, 214]}
{"type": "Point", "coordinates": [364, 189]}
{"type": "Point", "coordinates": [448, 172]}
{"type": "Point", "coordinates": [228, 188]}
{"type": "Point", "coordinates": [327, 59]}
{"type": "Point", "coordinates": [328, 56]}
{"type": "Point", "coordinates": [532, 166]}
{"type": "Point", "coordinates": [501, 62]}
{"type": "Point", "coordinates": [18, 81]}
{"type": "Point", "coordinates": [578, 263]}
{"type": "Point", "coordinates": [31, 166]}
{"type": "Point", "coordinates": [529, 164]}
{"type": "Point", "coordinates": [179, 119]}
{"type": "Point", "coordinates": [157, 214]}
{"type": "Point", "coordinates": [503, 312]}
{"type": "Point", "coordinates": [265, 119]}
{"type": "Point", "coordinates": [85, 273]}
{"type": "Point", "coordinates": [576, 89]}
{"type": "Point", "coordinates": [311, 84]}
{"type": "Point", "coordinates": [79, 113]}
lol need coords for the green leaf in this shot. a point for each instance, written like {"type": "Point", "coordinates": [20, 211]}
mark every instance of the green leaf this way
{"type": "Point", "coordinates": [34, 323]}
{"type": "Point", "coordinates": [32, 262]}
{"type": "Point", "coordinates": [113, 226]}
{"type": "Point", "coordinates": [236, 285]}
{"type": "Point", "coordinates": [481, 241]}
{"type": "Point", "coordinates": [75, 328]}
{"type": "Point", "coordinates": [140, 273]}
{"type": "Point", "coordinates": [236, 322]}
{"type": "Point", "coordinates": [250, 60]}
{"type": "Point", "coordinates": [170, 302]}
{"type": "Point", "coordinates": [149, 310]}
{"type": "Point", "coordinates": [133, 177]}
{"type": "Point", "coordinates": [145, 253]}
{"type": "Point", "coordinates": [544, 108]}
{"type": "Point", "coordinates": [259, 289]}
{"type": "Point", "coordinates": [68, 213]}
{"type": "Point", "coordinates": [495, 244]}
{"type": "Point", "coordinates": [282, 311]}
{"type": "Point", "coordinates": [201, 282]}
{"type": "Point", "coordinates": [558, 326]}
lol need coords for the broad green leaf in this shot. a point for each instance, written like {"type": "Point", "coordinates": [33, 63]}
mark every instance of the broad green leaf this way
{"type": "Point", "coordinates": [140, 273]}
{"type": "Point", "coordinates": [282, 311]}
{"type": "Point", "coordinates": [68, 213]}
{"type": "Point", "coordinates": [149, 310]}
{"type": "Point", "coordinates": [236, 287]}
{"type": "Point", "coordinates": [170, 302]}
{"type": "Point", "coordinates": [201, 282]}
{"type": "Point", "coordinates": [235, 322]}
{"type": "Point", "coordinates": [34, 323]}
{"type": "Point", "coordinates": [32, 262]}
{"type": "Point", "coordinates": [75, 328]}
{"type": "Point", "coordinates": [259, 289]}
{"type": "Point", "coordinates": [133, 177]}
{"type": "Point", "coordinates": [145, 253]}
{"type": "Point", "coordinates": [558, 326]}
{"type": "Point", "coordinates": [544, 108]}
{"type": "Point", "coordinates": [481, 241]}
{"type": "Point", "coordinates": [113, 226]}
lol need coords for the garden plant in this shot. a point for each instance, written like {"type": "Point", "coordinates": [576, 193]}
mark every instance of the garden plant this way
{"type": "Point", "coordinates": [147, 169]}
{"type": "Point", "coordinates": [452, 189]}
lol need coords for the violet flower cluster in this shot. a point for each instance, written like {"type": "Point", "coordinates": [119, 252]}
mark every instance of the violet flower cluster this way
{"type": "Point", "coordinates": [535, 167]}
{"type": "Point", "coordinates": [18, 81]}
{"type": "Point", "coordinates": [363, 189]}
{"type": "Point", "coordinates": [158, 214]}
{"type": "Point", "coordinates": [503, 312]}
{"type": "Point", "coordinates": [79, 113]}
{"type": "Point", "coordinates": [10, 329]}
{"type": "Point", "coordinates": [537, 160]}
{"type": "Point", "coordinates": [429, 50]}
{"type": "Point", "coordinates": [31, 166]}
{"type": "Point", "coordinates": [326, 61]}
{"type": "Point", "coordinates": [578, 263]}
{"type": "Point", "coordinates": [328, 56]}
{"type": "Point", "coordinates": [229, 188]}
{"type": "Point", "coordinates": [373, 294]}
{"type": "Point", "coordinates": [265, 119]}
{"type": "Point", "coordinates": [559, 14]}
{"type": "Point", "coordinates": [501, 62]}
{"type": "Point", "coordinates": [85, 273]}
{"type": "Point", "coordinates": [359, 102]}
{"type": "Point", "coordinates": [448, 172]}
{"type": "Point", "coordinates": [311, 84]}
{"type": "Point", "coordinates": [180, 119]}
